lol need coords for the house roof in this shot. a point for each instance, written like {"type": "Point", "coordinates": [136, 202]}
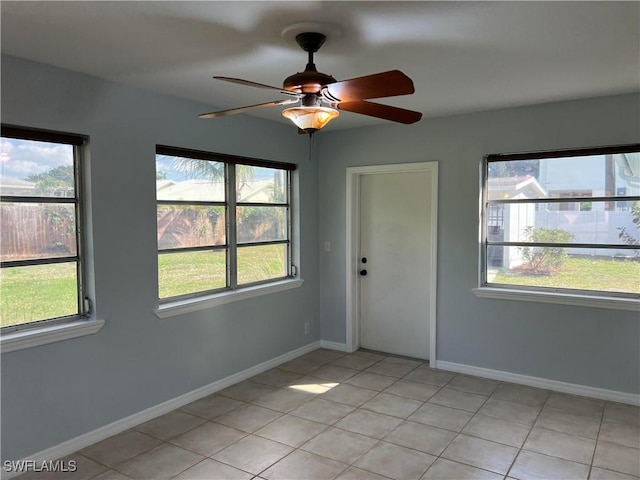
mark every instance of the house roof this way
{"type": "Point", "coordinates": [501, 188]}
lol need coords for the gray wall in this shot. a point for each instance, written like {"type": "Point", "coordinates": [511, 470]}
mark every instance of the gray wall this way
{"type": "Point", "coordinates": [587, 346]}
{"type": "Point", "coordinates": [56, 392]}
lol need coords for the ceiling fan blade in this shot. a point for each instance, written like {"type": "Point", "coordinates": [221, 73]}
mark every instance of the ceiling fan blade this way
{"type": "Point", "coordinates": [232, 111]}
{"type": "Point", "coordinates": [378, 85]}
{"type": "Point", "coordinates": [257, 85]}
{"type": "Point", "coordinates": [378, 110]}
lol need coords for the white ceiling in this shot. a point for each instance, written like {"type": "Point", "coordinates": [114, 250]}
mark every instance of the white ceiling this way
{"type": "Point", "coordinates": [462, 56]}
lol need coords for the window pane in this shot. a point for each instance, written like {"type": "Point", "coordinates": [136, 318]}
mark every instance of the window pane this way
{"type": "Point", "coordinates": [572, 268]}
{"type": "Point", "coordinates": [261, 185]}
{"type": "Point", "coordinates": [38, 292]}
{"type": "Point", "coordinates": [261, 224]}
{"type": "Point", "coordinates": [576, 222]}
{"type": "Point", "coordinates": [179, 178]}
{"type": "Point", "coordinates": [181, 273]}
{"type": "Point", "coordinates": [31, 168]}
{"type": "Point", "coordinates": [191, 226]}
{"type": "Point", "coordinates": [261, 262]}
{"type": "Point", "coordinates": [571, 177]}
{"type": "Point", "coordinates": [37, 230]}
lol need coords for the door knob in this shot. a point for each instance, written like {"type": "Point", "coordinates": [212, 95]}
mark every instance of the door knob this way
{"type": "Point", "coordinates": [363, 273]}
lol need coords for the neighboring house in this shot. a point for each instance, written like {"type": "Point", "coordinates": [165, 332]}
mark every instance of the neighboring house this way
{"type": "Point", "coordinates": [15, 186]}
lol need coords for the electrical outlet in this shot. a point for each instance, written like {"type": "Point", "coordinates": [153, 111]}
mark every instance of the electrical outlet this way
{"type": "Point", "coordinates": [306, 328]}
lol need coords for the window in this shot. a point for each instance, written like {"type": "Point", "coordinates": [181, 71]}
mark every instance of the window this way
{"type": "Point", "coordinates": [563, 222]}
{"type": "Point", "coordinates": [224, 222]}
{"type": "Point", "coordinates": [41, 241]}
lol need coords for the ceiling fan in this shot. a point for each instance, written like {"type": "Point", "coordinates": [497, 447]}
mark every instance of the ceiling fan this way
{"type": "Point", "coordinates": [320, 96]}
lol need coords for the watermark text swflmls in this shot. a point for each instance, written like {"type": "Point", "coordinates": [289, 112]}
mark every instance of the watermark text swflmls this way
{"type": "Point", "coordinates": [21, 466]}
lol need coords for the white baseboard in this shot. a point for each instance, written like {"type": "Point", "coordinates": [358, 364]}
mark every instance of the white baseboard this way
{"type": "Point", "coordinates": [84, 440]}
{"type": "Point", "coordinates": [341, 347]}
{"type": "Point", "coordinates": [572, 388]}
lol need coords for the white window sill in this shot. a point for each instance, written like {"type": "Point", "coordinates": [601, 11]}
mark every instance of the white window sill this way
{"type": "Point", "coordinates": [180, 307]}
{"type": "Point", "coordinates": [559, 298]}
{"type": "Point", "coordinates": [41, 336]}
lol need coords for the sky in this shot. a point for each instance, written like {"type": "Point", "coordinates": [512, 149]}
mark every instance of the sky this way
{"type": "Point", "coordinates": [21, 158]}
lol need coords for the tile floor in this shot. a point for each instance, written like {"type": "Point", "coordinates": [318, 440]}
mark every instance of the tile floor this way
{"type": "Point", "coordinates": [327, 415]}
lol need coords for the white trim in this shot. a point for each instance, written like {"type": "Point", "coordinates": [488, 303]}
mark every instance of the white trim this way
{"type": "Point", "coordinates": [353, 241]}
{"type": "Point", "coordinates": [84, 440]}
{"type": "Point", "coordinates": [340, 347]}
{"type": "Point", "coordinates": [564, 387]}
{"type": "Point", "coordinates": [558, 298]}
{"type": "Point", "coordinates": [22, 339]}
{"type": "Point", "coordinates": [181, 307]}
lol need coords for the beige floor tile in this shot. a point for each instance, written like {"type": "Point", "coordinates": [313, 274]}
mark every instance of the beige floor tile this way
{"type": "Point", "coordinates": [372, 381]}
{"type": "Point", "coordinates": [276, 377]}
{"type": "Point", "coordinates": [429, 376]}
{"type": "Point", "coordinates": [497, 430]}
{"type": "Point", "coordinates": [395, 462]}
{"type": "Point", "coordinates": [391, 369]}
{"type": "Point", "coordinates": [355, 362]}
{"type": "Point", "coordinates": [252, 454]}
{"type": "Point", "coordinates": [74, 466]}
{"type": "Point", "coordinates": [335, 373]}
{"type": "Point", "coordinates": [349, 395]}
{"type": "Point", "coordinates": [170, 425]}
{"type": "Point", "coordinates": [480, 386]}
{"type": "Point", "coordinates": [283, 400]}
{"type": "Point", "coordinates": [403, 361]}
{"type": "Point", "coordinates": [617, 458]}
{"type": "Point", "coordinates": [412, 390]}
{"type": "Point", "coordinates": [619, 433]}
{"type": "Point", "coordinates": [353, 473]}
{"type": "Point", "coordinates": [444, 469]}
{"type": "Point", "coordinates": [567, 423]}
{"type": "Point", "coordinates": [421, 437]}
{"type": "Point", "coordinates": [531, 465]}
{"type": "Point", "coordinates": [510, 411]}
{"type": "Point", "coordinates": [248, 418]}
{"type": "Point", "coordinates": [247, 391]}
{"type": "Point", "coordinates": [627, 414]}
{"type": "Point", "coordinates": [392, 405]}
{"type": "Point", "coordinates": [208, 438]}
{"type": "Point", "coordinates": [110, 475]}
{"type": "Point", "coordinates": [162, 462]}
{"type": "Point", "coordinates": [120, 447]}
{"type": "Point", "coordinates": [301, 365]}
{"type": "Point", "coordinates": [340, 445]}
{"type": "Point", "coordinates": [581, 406]}
{"type": "Point", "coordinates": [212, 406]}
{"type": "Point", "coordinates": [481, 453]}
{"type": "Point", "coordinates": [534, 397]}
{"type": "Point", "coordinates": [301, 465]}
{"type": "Point", "coordinates": [368, 423]}
{"type": "Point", "coordinates": [448, 397]}
{"type": "Point", "coordinates": [322, 411]}
{"type": "Point", "coordinates": [209, 469]}
{"type": "Point", "coordinates": [561, 445]}
{"type": "Point", "coordinates": [602, 474]}
{"type": "Point", "coordinates": [443, 417]}
{"type": "Point", "coordinates": [290, 430]}
{"type": "Point", "coordinates": [323, 355]}
{"type": "Point", "coordinates": [312, 385]}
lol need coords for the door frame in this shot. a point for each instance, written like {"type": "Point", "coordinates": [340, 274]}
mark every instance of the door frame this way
{"type": "Point", "coordinates": [353, 246]}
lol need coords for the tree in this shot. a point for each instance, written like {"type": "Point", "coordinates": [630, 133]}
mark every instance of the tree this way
{"type": "Point", "coordinates": [548, 259]}
{"type": "Point", "coordinates": [59, 180]}
{"type": "Point", "coordinates": [625, 236]}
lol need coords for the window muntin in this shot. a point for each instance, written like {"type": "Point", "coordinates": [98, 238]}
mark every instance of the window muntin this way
{"type": "Point", "coordinates": [566, 222]}
{"type": "Point", "coordinates": [41, 235]}
{"type": "Point", "coordinates": [223, 222]}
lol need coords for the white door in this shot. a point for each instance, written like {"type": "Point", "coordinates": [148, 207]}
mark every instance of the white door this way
{"type": "Point", "coordinates": [394, 262]}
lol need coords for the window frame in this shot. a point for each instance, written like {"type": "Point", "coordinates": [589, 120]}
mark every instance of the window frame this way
{"type": "Point", "coordinates": [231, 245]}
{"type": "Point", "coordinates": [561, 295]}
{"type": "Point", "coordinates": [84, 304]}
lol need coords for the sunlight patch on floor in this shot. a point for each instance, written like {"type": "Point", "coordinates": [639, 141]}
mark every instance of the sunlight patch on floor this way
{"type": "Point", "coordinates": [314, 387]}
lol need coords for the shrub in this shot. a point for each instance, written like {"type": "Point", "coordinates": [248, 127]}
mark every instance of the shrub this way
{"type": "Point", "coordinates": [545, 260]}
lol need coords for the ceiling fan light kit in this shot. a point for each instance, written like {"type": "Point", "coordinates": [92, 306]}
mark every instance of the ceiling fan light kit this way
{"type": "Point", "coordinates": [321, 95]}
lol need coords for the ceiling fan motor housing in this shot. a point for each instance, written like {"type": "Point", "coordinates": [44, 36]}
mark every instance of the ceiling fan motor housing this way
{"type": "Point", "coordinates": [309, 81]}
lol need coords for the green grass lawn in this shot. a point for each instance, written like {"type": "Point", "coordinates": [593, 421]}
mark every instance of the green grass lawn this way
{"type": "Point", "coordinates": [584, 274]}
{"type": "Point", "coordinates": [47, 291]}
